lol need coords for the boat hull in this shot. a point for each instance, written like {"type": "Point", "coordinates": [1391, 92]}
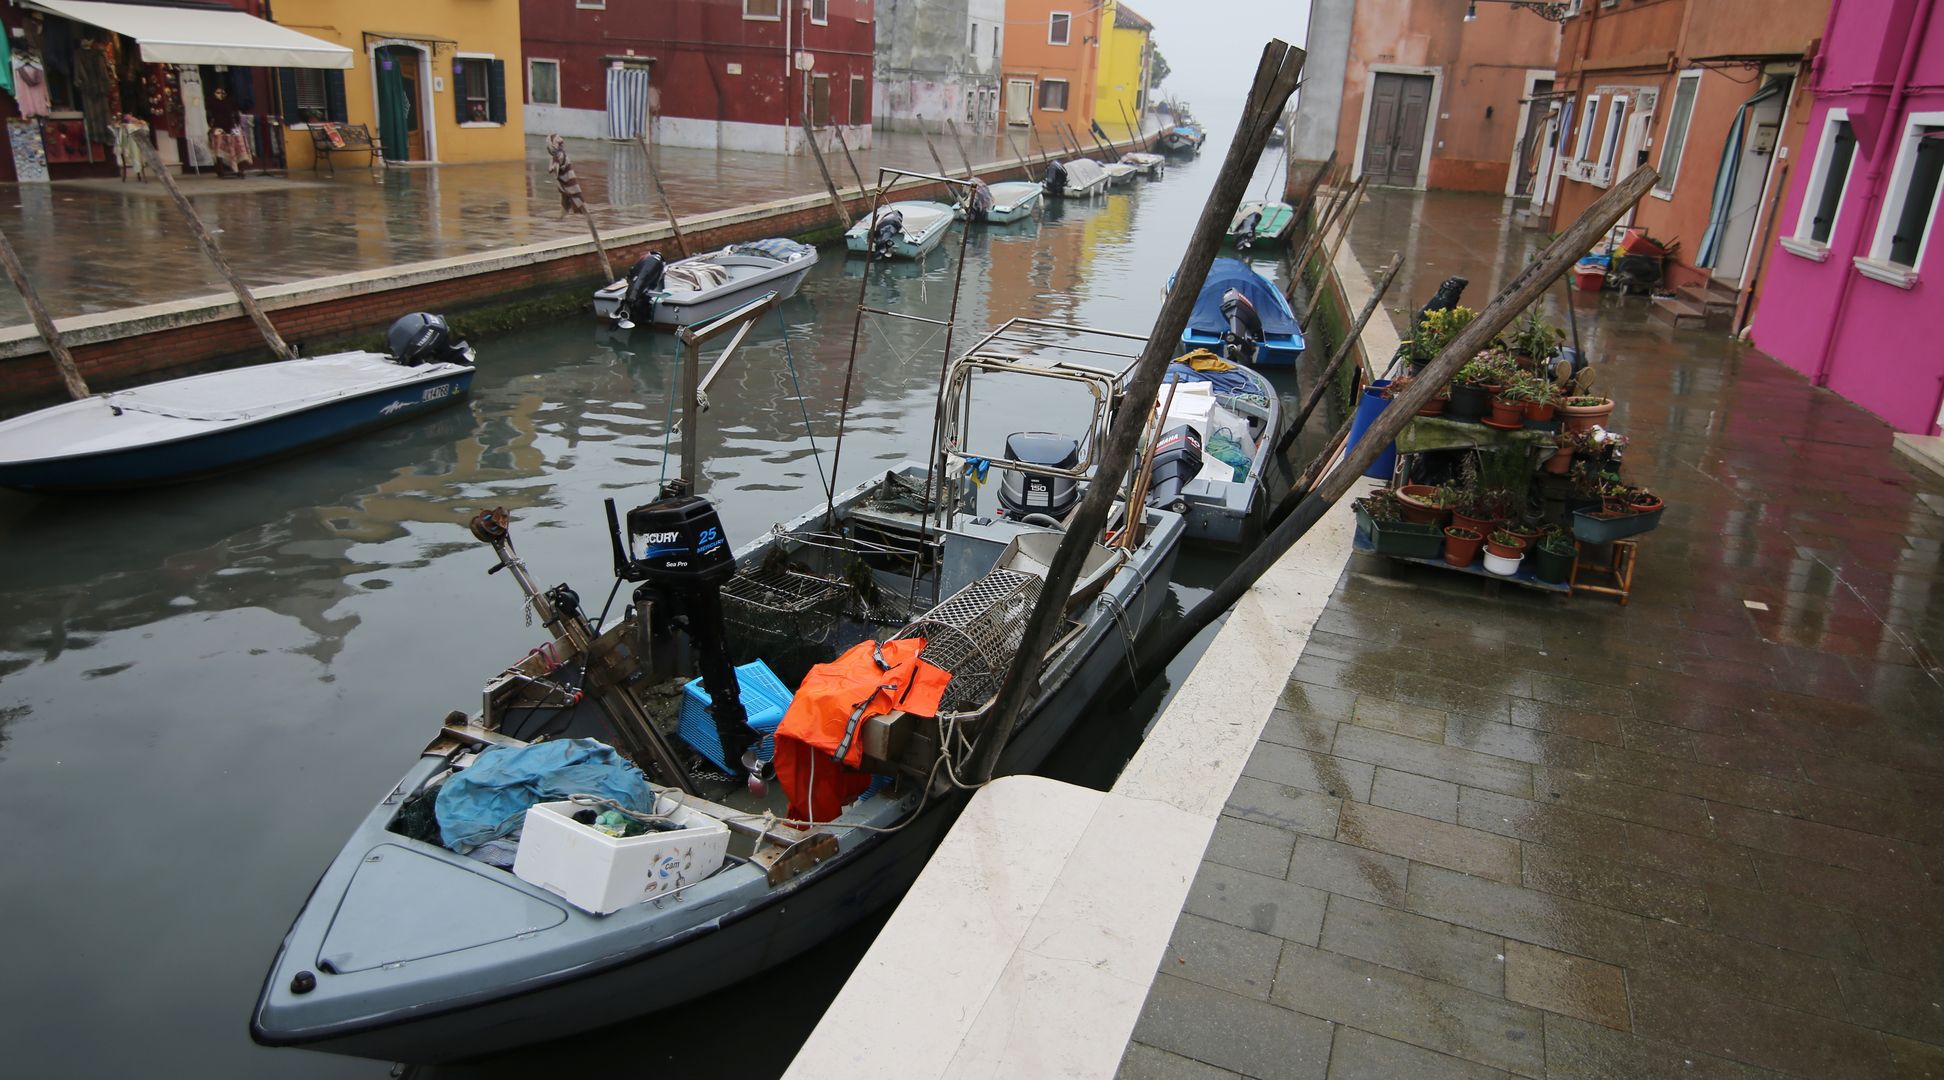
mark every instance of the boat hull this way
{"type": "Point", "coordinates": [908, 245]}
{"type": "Point", "coordinates": [232, 447]}
{"type": "Point", "coordinates": [783, 280]}
{"type": "Point", "coordinates": [1276, 350]}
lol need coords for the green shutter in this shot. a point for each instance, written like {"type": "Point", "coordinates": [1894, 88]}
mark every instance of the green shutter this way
{"type": "Point", "coordinates": [287, 91]}
{"type": "Point", "coordinates": [334, 96]}
{"type": "Point", "coordinates": [496, 92]}
{"type": "Point", "coordinates": [459, 70]}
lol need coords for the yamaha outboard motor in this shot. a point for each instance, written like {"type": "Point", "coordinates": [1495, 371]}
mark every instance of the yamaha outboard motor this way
{"type": "Point", "coordinates": [676, 548]}
{"type": "Point", "coordinates": [422, 338]}
{"type": "Point", "coordinates": [644, 277]}
{"type": "Point", "coordinates": [1056, 178]}
{"type": "Point", "coordinates": [1177, 460]}
{"type": "Point", "coordinates": [1244, 331]}
{"type": "Point", "coordinates": [1023, 496]}
{"type": "Point", "coordinates": [890, 226]}
{"type": "Point", "coordinates": [1245, 230]}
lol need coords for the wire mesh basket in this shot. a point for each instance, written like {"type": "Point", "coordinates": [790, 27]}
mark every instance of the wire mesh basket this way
{"type": "Point", "coordinates": [778, 602]}
{"type": "Point", "coordinates": [975, 633]}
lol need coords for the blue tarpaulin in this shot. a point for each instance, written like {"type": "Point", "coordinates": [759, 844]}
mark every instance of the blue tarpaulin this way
{"type": "Point", "coordinates": [490, 799]}
{"type": "Point", "coordinates": [1235, 274]}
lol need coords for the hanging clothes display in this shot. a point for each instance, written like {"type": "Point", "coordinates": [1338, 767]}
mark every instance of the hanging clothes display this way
{"type": "Point", "coordinates": [30, 86]}
{"type": "Point", "coordinates": [195, 120]}
{"type": "Point", "coordinates": [94, 83]}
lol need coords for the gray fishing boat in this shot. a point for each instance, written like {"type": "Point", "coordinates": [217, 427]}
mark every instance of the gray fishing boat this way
{"type": "Point", "coordinates": [1233, 421]}
{"type": "Point", "coordinates": [408, 950]}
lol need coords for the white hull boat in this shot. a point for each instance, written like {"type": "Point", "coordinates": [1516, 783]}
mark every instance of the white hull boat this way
{"type": "Point", "coordinates": [907, 230]}
{"type": "Point", "coordinates": [1149, 165]}
{"type": "Point", "coordinates": [1011, 200]}
{"type": "Point", "coordinates": [701, 287]}
{"type": "Point", "coordinates": [1237, 415]}
{"type": "Point", "coordinates": [1080, 178]}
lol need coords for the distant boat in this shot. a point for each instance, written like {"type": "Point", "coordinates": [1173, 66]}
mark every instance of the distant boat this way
{"type": "Point", "coordinates": [1254, 326]}
{"type": "Point", "coordinates": [1150, 165]}
{"type": "Point", "coordinates": [179, 429]}
{"type": "Point", "coordinates": [1184, 138]}
{"type": "Point", "coordinates": [701, 287]}
{"type": "Point", "coordinates": [1003, 203]}
{"type": "Point", "coordinates": [1261, 224]}
{"type": "Point", "coordinates": [1080, 178]}
{"type": "Point", "coordinates": [1276, 135]}
{"type": "Point", "coordinates": [1119, 172]}
{"type": "Point", "coordinates": [907, 230]}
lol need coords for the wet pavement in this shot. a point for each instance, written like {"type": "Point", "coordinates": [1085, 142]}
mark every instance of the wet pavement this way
{"type": "Point", "coordinates": [101, 245]}
{"type": "Point", "coordinates": [1521, 834]}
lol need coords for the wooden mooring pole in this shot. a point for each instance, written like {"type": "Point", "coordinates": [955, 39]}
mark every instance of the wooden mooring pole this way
{"type": "Point", "coordinates": [936, 160]}
{"type": "Point", "coordinates": [952, 126]}
{"type": "Point", "coordinates": [571, 200]}
{"type": "Point", "coordinates": [1025, 170]}
{"type": "Point", "coordinates": [845, 146]}
{"type": "Point", "coordinates": [816, 152]}
{"type": "Point", "coordinates": [654, 174]}
{"type": "Point", "coordinates": [1343, 351]}
{"type": "Point", "coordinates": [77, 387]}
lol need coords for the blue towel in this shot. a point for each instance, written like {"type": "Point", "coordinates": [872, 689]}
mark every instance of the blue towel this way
{"type": "Point", "coordinates": [490, 799]}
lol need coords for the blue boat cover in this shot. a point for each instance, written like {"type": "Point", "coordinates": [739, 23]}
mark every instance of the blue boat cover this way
{"type": "Point", "coordinates": [490, 799]}
{"type": "Point", "coordinates": [1232, 381]}
{"type": "Point", "coordinates": [1235, 274]}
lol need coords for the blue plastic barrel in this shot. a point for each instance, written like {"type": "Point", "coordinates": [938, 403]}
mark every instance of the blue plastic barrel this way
{"type": "Point", "coordinates": [1369, 407]}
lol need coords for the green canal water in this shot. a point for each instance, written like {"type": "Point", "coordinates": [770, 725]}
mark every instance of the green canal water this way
{"type": "Point", "coordinates": [203, 689]}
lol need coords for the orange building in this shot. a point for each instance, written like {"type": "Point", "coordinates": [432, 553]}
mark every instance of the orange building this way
{"type": "Point", "coordinates": [1051, 66]}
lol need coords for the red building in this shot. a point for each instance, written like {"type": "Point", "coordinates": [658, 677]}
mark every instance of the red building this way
{"type": "Point", "coordinates": [725, 74]}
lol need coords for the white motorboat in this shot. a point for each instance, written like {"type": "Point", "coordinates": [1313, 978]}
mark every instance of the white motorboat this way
{"type": "Point", "coordinates": [1005, 202]}
{"type": "Point", "coordinates": [701, 287]}
{"type": "Point", "coordinates": [1150, 165]}
{"type": "Point", "coordinates": [907, 230]}
{"type": "Point", "coordinates": [1079, 178]}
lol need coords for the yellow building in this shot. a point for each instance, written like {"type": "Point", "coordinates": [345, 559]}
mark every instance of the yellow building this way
{"type": "Point", "coordinates": [1121, 92]}
{"type": "Point", "coordinates": [433, 80]}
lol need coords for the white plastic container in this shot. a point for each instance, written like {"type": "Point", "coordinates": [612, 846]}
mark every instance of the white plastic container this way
{"type": "Point", "coordinates": [1502, 566]}
{"type": "Point", "coordinates": [599, 873]}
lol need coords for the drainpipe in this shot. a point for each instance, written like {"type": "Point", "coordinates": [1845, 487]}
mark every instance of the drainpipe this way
{"type": "Point", "coordinates": [1899, 90]}
{"type": "Point", "coordinates": [789, 65]}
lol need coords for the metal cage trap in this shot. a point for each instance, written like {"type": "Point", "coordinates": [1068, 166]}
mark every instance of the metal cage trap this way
{"type": "Point", "coordinates": [974, 634]}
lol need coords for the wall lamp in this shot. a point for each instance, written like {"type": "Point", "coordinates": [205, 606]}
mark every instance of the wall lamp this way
{"type": "Point", "coordinates": [1545, 9]}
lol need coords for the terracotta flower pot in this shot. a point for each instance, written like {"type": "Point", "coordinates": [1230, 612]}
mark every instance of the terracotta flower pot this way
{"type": "Point", "coordinates": [1414, 499]}
{"type": "Point", "coordinates": [1561, 462]}
{"type": "Point", "coordinates": [1481, 526]}
{"type": "Point", "coordinates": [1536, 411]}
{"type": "Point", "coordinates": [1461, 546]}
{"type": "Point", "coordinates": [1529, 538]}
{"type": "Point", "coordinates": [1434, 407]}
{"type": "Point", "coordinates": [1507, 412]}
{"type": "Point", "coordinates": [1652, 504]}
{"type": "Point", "coordinates": [1506, 551]}
{"type": "Point", "coordinates": [1577, 418]}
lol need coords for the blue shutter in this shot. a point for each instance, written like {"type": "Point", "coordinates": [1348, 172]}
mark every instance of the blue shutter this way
{"type": "Point", "coordinates": [287, 91]}
{"type": "Point", "coordinates": [334, 96]}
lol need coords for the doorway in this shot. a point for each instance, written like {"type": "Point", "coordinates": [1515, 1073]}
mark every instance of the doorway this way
{"type": "Point", "coordinates": [1532, 140]}
{"type": "Point", "coordinates": [1748, 166]}
{"type": "Point", "coordinates": [819, 102]}
{"type": "Point", "coordinates": [1394, 136]}
{"type": "Point", "coordinates": [1019, 102]}
{"type": "Point", "coordinates": [401, 121]}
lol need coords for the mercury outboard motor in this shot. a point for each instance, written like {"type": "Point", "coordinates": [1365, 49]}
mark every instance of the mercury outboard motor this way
{"type": "Point", "coordinates": [1244, 331]}
{"type": "Point", "coordinates": [676, 548]}
{"type": "Point", "coordinates": [890, 226]}
{"type": "Point", "coordinates": [1177, 460]}
{"type": "Point", "coordinates": [644, 277]}
{"type": "Point", "coordinates": [422, 338]}
{"type": "Point", "coordinates": [1245, 230]}
{"type": "Point", "coordinates": [1056, 178]}
{"type": "Point", "coordinates": [1023, 496]}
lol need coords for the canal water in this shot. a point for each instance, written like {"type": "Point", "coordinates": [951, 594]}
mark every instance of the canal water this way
{"type": "Point", "coordinates": [203, 689]}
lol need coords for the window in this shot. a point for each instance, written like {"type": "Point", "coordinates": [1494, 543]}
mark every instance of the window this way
{"type": "Point", "coordinates": [1059, 27]}
{"type": "Point", "coordinates": [975, 39]}
{"type": "Point", "coordinates": [1587, 116]}
{"type": "Point", "coordinates": [1610, 144]}
{"type": "Point", "coordinates": [1677, 129]}
{"type": "Point", "coordinates": [1910, 206]}
{"type": "Point", "coordinates": [591, 5]}
{"type": "Point", "coordinates": [1822, 197]}
{"type": "Point", "coordinates": [479, 89]}
{"type": "Point", "coordinates": [996, 31]}
{"type": "Point", "coordinates": [860, 101]}
{"type": "Point", "coordinates": [763, 9]}
{"type": "Point", "coordinates": [972, 107]}
{"type": "Point", "coordinates": [1053, 95]}
{"type": "Point", "coordinates": [820, 12]}
{"type": "Point", "coordinates": [310, 94]}
{"type": "Point", "coordinates": [543, 82]}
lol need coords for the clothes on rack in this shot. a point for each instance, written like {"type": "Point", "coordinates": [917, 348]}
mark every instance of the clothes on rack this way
{"type": "Point", "coordinates": [30, 86]}
{"type": "Point", "coordinates": [195, 118]}
{"type": "Point", "coordinates": [231, 148]}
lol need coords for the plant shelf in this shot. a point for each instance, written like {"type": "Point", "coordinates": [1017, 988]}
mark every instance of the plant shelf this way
{"type": "Point", "coordinates": [1477, 569]}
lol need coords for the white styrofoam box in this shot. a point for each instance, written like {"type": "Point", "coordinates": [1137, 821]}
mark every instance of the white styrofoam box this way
{"type": "Point", "coordinates": [600, 873]}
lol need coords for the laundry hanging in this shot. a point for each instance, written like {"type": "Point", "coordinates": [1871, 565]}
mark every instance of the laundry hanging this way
{"type": "Point", "coordinates": [195, 121]}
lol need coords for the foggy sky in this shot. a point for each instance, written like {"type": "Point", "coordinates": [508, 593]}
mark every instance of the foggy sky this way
{"type": "Point", "coordinates": [1213, 45]}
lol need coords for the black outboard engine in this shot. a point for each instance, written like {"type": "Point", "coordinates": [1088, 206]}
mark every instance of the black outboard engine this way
{"type": "Point", "coordinates": [1177, 460]}
{"type": "Point", "coordinates": [422, 338]}
{"type": "Point", "coordinates": [1245, 230]}
{"type": "Point", "coordinates": [676, 548]}
{"type": "Point", "coordinates": [1056, 178]}
{"type": "Point", "coordinates": [979, 202]}
{"type": "Point", "coordinates": [644, 277]}
{"type": "Point", "coordinates": [890, 226]}
{"type": "Point", "coordinates": [1025, 495]}
{"type": "Point", "coordinates": [1244, 331]}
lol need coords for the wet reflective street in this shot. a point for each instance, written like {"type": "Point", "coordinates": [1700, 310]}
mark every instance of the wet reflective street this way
{"type": "Point", "coordinates": [1520, 834]}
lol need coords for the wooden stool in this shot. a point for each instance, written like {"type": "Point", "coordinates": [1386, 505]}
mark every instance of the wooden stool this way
{"type": "Point", "coordinates": [1618, 572]}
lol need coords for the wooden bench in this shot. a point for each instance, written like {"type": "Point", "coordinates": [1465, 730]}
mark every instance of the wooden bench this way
{"type": "Point", "coordinates": [351, 138]}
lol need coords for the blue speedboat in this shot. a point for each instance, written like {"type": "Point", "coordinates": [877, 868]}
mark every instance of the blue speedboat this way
{"type": "Point", "coordinates": [1241, 316]}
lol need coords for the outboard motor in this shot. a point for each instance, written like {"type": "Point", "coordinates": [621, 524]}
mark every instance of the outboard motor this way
{"type": "Point", "coordinates": [1056, 178]}
{"type": "Point", "coordinates": [1245, 230]}
{"type": "Point", "coordinates": [890, 226]}
{"type": "Point", "coordinates": [1177, 460]}
{"type": "Point", "coordinates": [423, 338]}
{"type": "Point", "coordinates": [676, 548]}
{"type": "Point", "coordinates": [646, 276]}
{"type": "Point", "coordinates": [1023, 496]}
{"type": "Point", "coordinates": [979, 202]}
{"type": "Point", "coordinates": [1244, 331]}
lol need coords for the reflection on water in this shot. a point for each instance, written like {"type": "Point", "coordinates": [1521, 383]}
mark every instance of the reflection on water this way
{"type": "Point", "coordinates": [203, 689]}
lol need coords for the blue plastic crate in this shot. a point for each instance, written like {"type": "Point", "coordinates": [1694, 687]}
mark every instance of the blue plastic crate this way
{"type": "Point", "coordinates": [764, 698]}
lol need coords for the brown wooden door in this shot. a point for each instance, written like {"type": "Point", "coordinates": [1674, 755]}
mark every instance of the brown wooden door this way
{"type": "Point", "coordinates": [1535, 129]}
{"type": "Point", "coordinates": [1394, 141]}
{"type": "Point", "coordinates": [820, 101]}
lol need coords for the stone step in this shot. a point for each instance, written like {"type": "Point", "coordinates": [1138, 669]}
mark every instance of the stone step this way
{"type": "Point", "coordinates": [1710, 299]}
{"type": "Point", "coordinates": [1678, 313]}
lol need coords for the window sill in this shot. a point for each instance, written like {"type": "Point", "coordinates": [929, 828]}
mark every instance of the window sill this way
{"type": "Point", "coordinates": [1903, 277]}
{"type": "Point", "coordinates": [481, 124]}
{"type": "Point", "coordinates": [1813, 250]}
{"type": "Point", "coordinates": [1664, 196]}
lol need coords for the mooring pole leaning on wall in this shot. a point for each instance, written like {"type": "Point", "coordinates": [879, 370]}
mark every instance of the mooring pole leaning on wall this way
{"type": "Point", "coordinates": [571, 201]}
{"type": "Point", "coordinates": [208, 241]}
{"type": "Point", "coordinates": [952, 126]}
{"type": "Point", "coordinates": [77, 387]}
{"type": "Point", "coordinates": [1025, 170]}
{"type": "Point", "coordinates": [1343, 351]}
{"type": "Point", "coordinates": [816, 152]}
{"type": "Point", "coordinates": [654, 174]}
{"type": "Point", "coordinates": [845, 146]}
{"type": "Point", "coordinates": [1275, 79]}
{"type": "Point", "coordinates": [936, 160]}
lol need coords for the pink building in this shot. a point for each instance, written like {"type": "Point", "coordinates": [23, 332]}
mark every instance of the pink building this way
{"type": "Point", "coordinates": [1855, 291]}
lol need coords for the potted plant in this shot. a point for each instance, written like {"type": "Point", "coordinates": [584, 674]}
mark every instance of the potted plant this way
{"type": "Point", "coordinates": [1503, 553]}
{"type": "Point", "coordinates": [1435, 330]}
{"type": "Point", "coordinates": [1552, 560]}
{"type": "Point", "coordinates": [1425, 504]}
{"type": "Point", "coordinates": [1461, 545]}
{"type": "Point", "coordinates": [1580, 408]}
{"type": "Point", "coordinates": [1436, 406]}
{"type": "Point", "coordinates": [1381, 523]}
{"type": "Point", "coordinates": [1642, 501]}
{"type": "Point", "coordinates": [1508, 405]}
{"type": "Point", "coordinates": [1533, 340]}
{"type": "Point", "coordinates": [1541, 398]}
{"type": "Point", "coordinates": [1528, 528]}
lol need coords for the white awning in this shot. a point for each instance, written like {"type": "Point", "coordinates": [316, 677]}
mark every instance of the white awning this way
{"type": "Point", "coordinates": [184, 35]}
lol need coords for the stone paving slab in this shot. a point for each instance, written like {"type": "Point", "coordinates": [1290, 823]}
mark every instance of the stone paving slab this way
{"type": "Point", "coordinates": [1693, 836]}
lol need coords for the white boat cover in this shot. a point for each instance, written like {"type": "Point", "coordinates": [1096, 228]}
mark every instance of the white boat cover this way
{"type": "Point", "coordinates": [175, 35]}
{"type": "Point", "coordinates": [1083, 173]}
{"type": "Point", "coordinates": [1009, 193]}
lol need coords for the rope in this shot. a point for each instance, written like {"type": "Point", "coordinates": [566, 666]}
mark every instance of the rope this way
{"type": "Point", "coordinates": [804, 406]}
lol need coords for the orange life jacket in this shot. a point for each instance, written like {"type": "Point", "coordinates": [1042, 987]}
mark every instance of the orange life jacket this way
{"type": "Point", "coordinates": [820, 743]}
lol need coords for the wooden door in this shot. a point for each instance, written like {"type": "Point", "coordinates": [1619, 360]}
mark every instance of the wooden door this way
{"type": "Point", "coordinates": [820, 101]}
{"type": "Point", "coordinates": [414, 118]}
{"type": "Point", "coordinates": [1019, 102]}
{"type": "Point", "coordinates": [1530, 142]}
{"type": "Point", "coordinates": [1394, 141]}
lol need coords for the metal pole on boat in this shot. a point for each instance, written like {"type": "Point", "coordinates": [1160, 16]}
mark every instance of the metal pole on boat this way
{"type": "Point", "coordinates": [1520, 293]}
{"type": "Point", "coordinates": [816, 152]}
{"type": "Point", "coordinates": [208, 241]}
{"type": "Point", "coordinates": [570, 198]}
{"type": "Point", "coordinates": [850, 365]}
{"type": "Point", "coordinates": [1343, 350]}
{"type": "Point", "coordinates": [952, 126]}
{"type": "Point", "coordinates": [77, 387]}
{"type": "Point", "coordinates": [1275, 80]}
{"type": "Point", "coordinates": [681, 242]}
{"type": "Point", "coordinates": [838, 129]}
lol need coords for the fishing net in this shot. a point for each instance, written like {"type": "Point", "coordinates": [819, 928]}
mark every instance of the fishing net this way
{"type": "Point", "coordinates": [975, 633]}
